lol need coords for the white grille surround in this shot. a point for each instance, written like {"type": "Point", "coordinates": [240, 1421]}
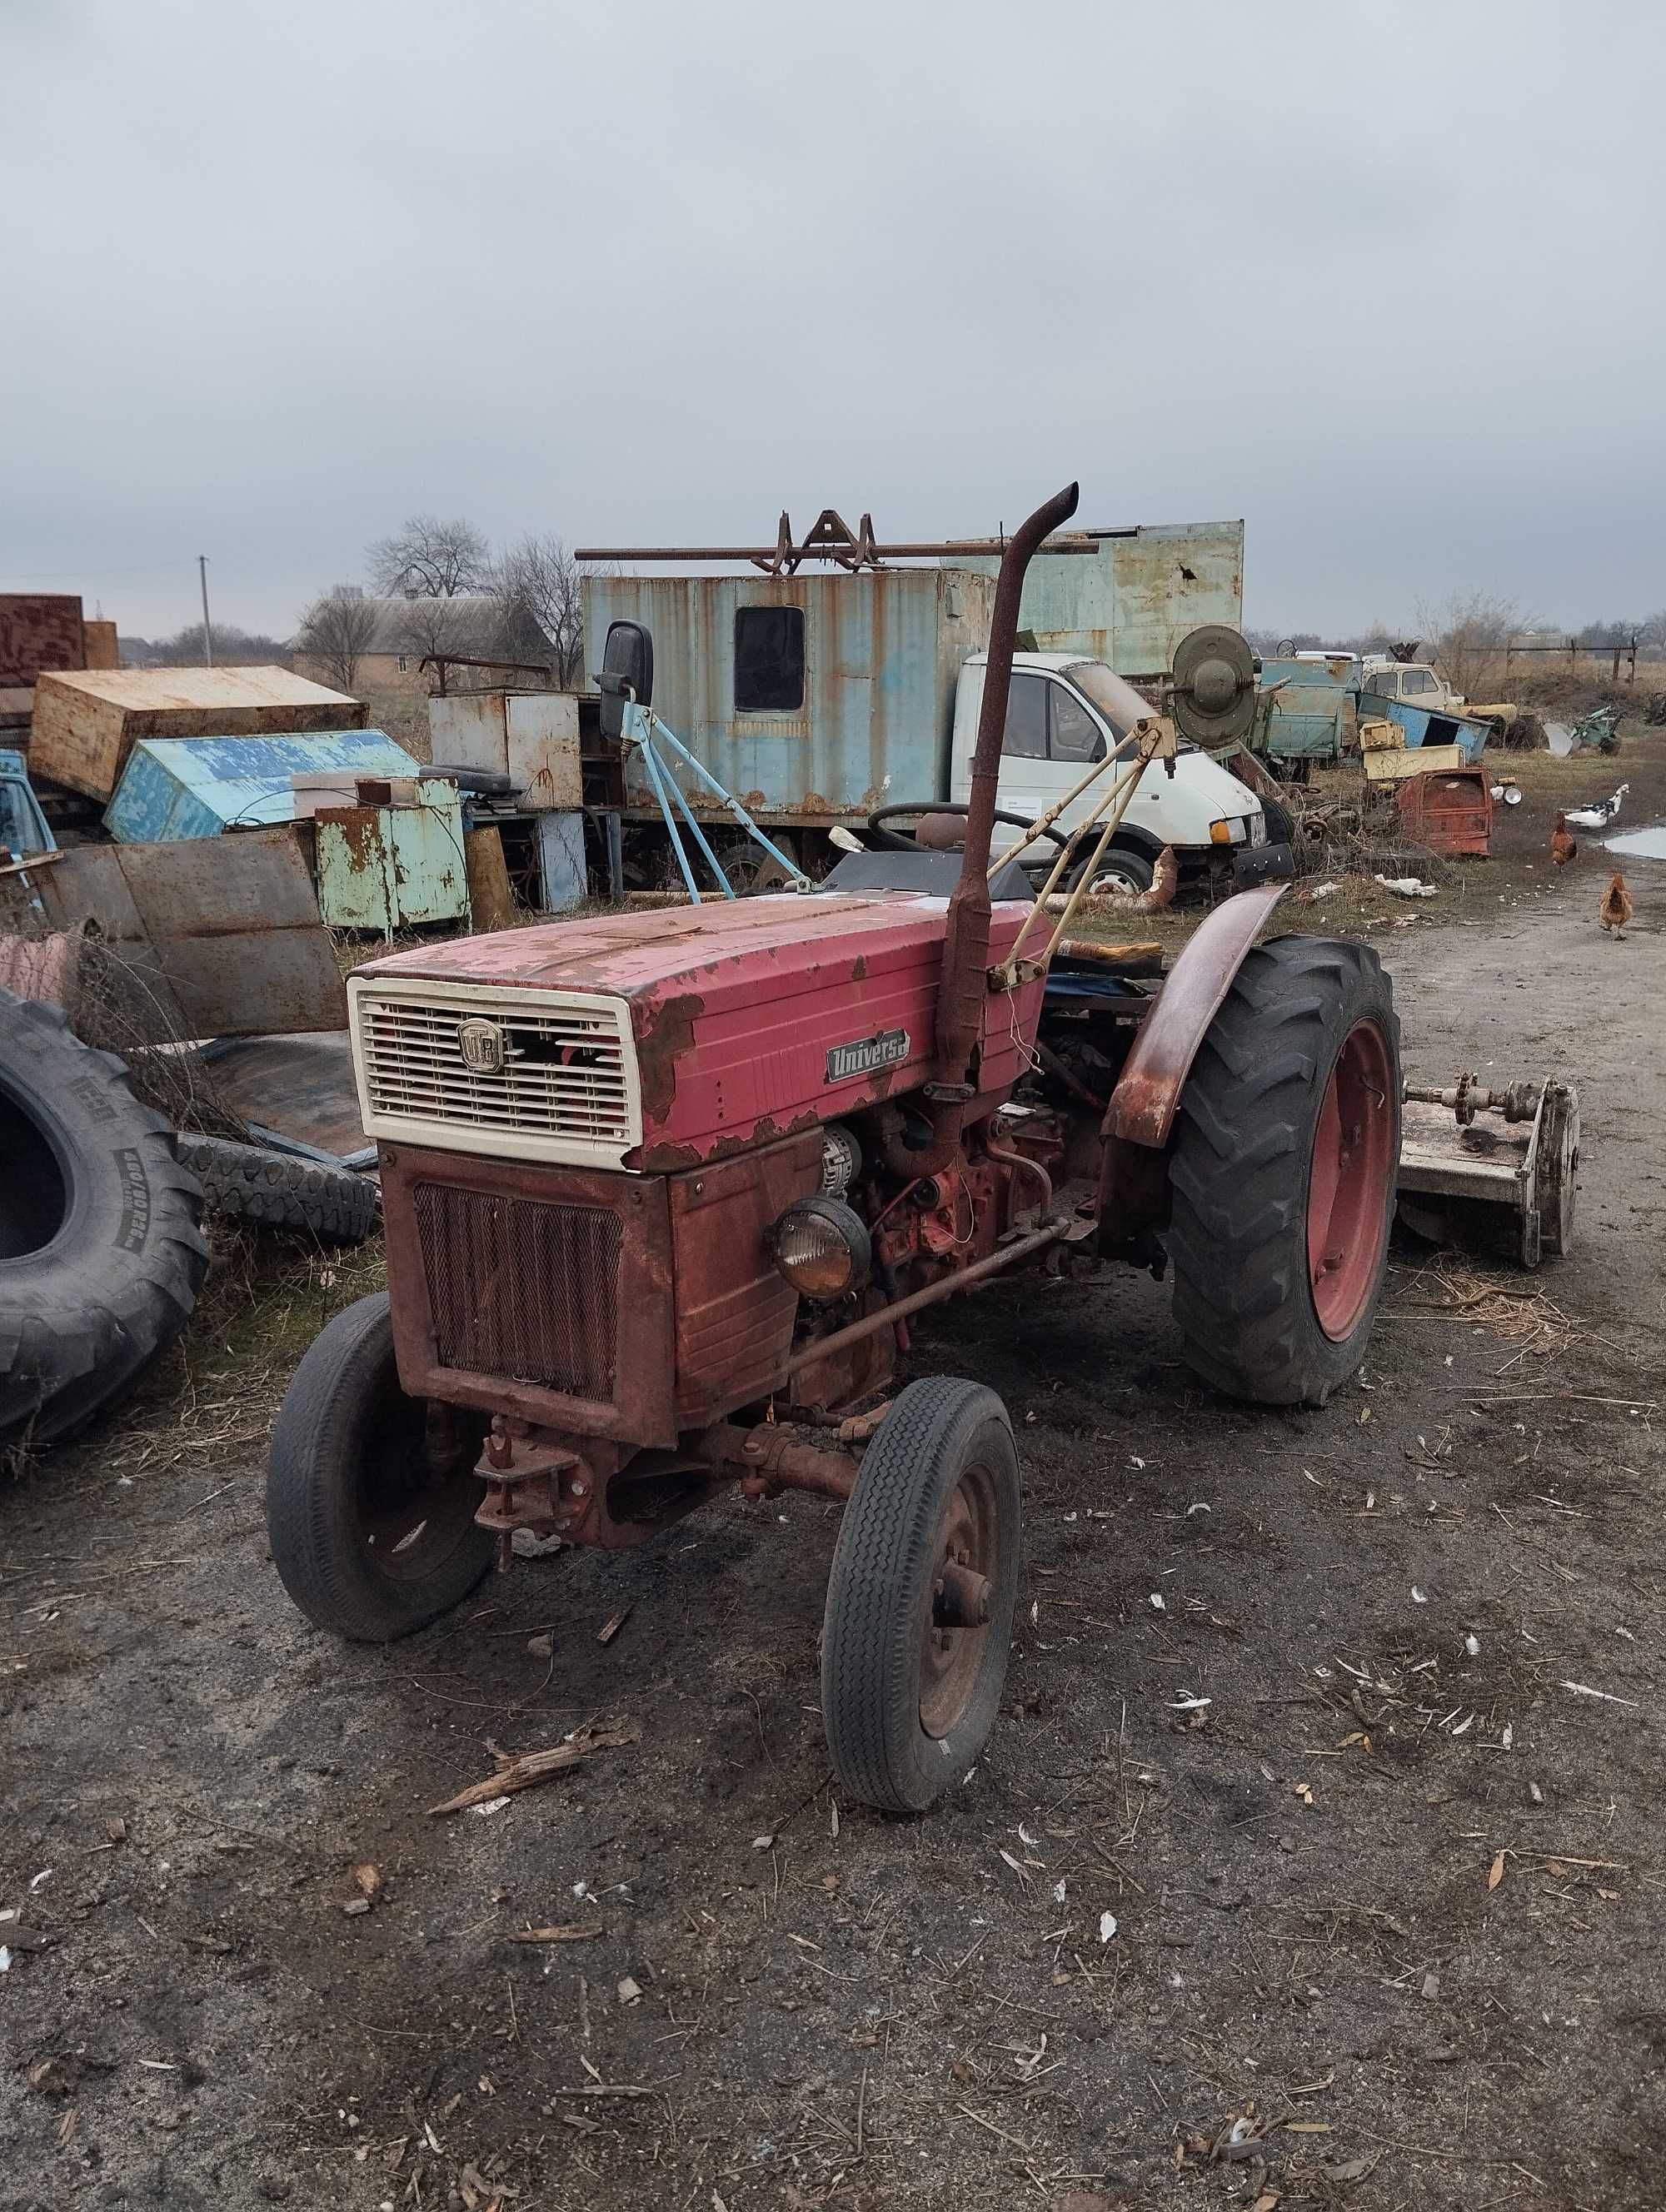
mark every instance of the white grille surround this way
{"type": "Point", "coordinates": [568, 1090]}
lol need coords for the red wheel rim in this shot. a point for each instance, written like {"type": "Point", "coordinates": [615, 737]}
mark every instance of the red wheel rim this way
{"type": "Point", "coordinates": [950, 1658]}
{"type": "Point", "coordinates": [1347, 1222]}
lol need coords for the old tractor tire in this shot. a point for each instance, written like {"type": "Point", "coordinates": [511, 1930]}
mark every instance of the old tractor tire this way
{"type": "Point", "coordinates": [281, 1190]}
{"type": "Point", "coordinates": [370, 1537]}
{"type": "Point", "coordinates": [101, 1249]}
{"type": "Point", "coordinates": [1283, 1177]}
{"type": "Point", "coordinates": [907, 1704]}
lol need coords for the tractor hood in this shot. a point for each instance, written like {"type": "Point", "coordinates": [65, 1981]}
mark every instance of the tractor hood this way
{"type": "Point", "coordinates": [747, 1019]}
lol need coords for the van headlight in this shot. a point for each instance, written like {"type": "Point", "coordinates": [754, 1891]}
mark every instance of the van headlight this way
{"type": "Point", "coordinates": [1228, 833]}
{"type": "Point", "coordinates": [822, 1247]}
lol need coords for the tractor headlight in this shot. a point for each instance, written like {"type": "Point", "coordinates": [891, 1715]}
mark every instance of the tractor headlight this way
{"type": "Point", "coordinates": [822, 1247]}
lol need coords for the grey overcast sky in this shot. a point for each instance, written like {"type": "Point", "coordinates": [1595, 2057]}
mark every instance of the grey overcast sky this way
{"type": "Point", "coordinates": [1386, 281]}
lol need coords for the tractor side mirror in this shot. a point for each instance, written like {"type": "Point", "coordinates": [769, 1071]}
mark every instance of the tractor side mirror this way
{"type": "Point", "coordinates": [626, 672]}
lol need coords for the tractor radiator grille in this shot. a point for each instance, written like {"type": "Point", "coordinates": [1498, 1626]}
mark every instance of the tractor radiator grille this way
{"type": "Point", "coordinates": [522, 1287]}
{"type": "Point", "coordinates": [558, 1081]}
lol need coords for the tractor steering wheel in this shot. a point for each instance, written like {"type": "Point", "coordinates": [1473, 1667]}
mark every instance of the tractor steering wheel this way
{"type": "Point", "coordinates": [891, 842]}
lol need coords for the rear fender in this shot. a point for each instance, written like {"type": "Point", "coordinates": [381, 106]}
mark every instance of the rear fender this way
{"type": "Point", "coordinates": [1142, 1106]}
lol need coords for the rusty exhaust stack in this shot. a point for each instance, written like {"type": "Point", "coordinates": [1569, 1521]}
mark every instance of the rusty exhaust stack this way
{"type": "Point", "coordinates": [966, 939]}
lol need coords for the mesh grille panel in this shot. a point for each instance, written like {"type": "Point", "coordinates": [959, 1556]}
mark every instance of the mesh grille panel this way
{"type": "Point", "coordinates": [562, 1071]}
{"type": "Point", "coordinates": [522, 1287]}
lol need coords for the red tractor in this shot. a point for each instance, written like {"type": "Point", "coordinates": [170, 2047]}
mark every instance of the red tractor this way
{"type": "Point", "coordinates": [665, 1191]}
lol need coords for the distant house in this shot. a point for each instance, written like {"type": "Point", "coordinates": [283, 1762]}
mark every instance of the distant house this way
{"type": "Point", "coordinates": [409, 631]}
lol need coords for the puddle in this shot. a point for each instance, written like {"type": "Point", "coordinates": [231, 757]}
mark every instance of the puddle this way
{"type": "Point", "coordinates": [1560, 737]}
{"type": "Point", "coordinates": [1641, 844]}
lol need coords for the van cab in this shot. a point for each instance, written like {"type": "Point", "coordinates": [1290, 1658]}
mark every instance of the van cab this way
{"type": "Point", "coordinates": [1064, 712]}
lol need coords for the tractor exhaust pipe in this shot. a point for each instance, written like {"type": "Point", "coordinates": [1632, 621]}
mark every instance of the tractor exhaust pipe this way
{"type": "Point", "coordinates": [963, 989]}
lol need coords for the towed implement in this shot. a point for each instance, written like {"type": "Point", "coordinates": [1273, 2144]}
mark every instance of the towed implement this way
{"type": "Point", "coordinates": [665, 1193]}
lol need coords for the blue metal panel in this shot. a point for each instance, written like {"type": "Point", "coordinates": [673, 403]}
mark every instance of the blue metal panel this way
{"type": "Point", "coordinates": [1427, 726]}
{"type": "Point", "coordinates": [197, 786]}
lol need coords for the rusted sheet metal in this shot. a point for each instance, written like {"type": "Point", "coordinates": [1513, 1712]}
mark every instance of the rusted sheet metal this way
{"type": "Point", "coordinates": [224, 938]}
{"type": "Point", "coordinates": [882, 652]}
{"type": "Point", "coordinates": [1142, 1106]}
{"type": "Point", "coordinates": [39, 631]}
{"type": "Point", "coordinates": [301, 1086]}
{"type": "Point", "coordinates": [388, 867]}
{"type": "Point", "coordinates": [1132, 605]}
{"type": "Point", "coordinates": [1449, 813]}
{"type": "Point", "coordinates": [480, 1245]}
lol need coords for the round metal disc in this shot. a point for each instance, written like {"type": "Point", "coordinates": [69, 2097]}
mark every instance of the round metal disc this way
{"type": "Point", "coordinates": [1214, 685]}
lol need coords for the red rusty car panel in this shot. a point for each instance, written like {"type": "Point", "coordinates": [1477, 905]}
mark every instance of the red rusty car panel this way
{"type": "Point", "coordinates": [1449, 811]}
{"type": "Point", "coordinates": [1142, 1106]}
{"type": "Point", "coordinates": [541, 1292]}
{"type": "Point", "coordinates": [735, 1311]}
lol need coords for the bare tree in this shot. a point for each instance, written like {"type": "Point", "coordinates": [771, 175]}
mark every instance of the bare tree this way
{"type": "Point", "coordinates": [337, 629]}
{"type": "Point", "coordinates": [427, 626]}
{"type": "Point", "coordinates": [428, 558]}
{"type": "Point", "coordinates": [539, 587]}
{"type": "Point", "coordinates": [1468, 635]}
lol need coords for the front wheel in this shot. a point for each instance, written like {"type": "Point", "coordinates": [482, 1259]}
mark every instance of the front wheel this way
{"type": "Point", "coordinates": [919, 1600]}
{"type": "Point", "coordinates": [1283, 1178]}
{"type": "Point", "coordinates": [371, 1495]}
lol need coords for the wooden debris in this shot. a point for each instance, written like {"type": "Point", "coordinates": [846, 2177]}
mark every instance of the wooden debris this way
{"type": "Point", "coordinates": [610, 1627]}
{"type": "Point", "coordinates": [570, 1931]}
{"type": "Point", "coordinates": [532, 1767]}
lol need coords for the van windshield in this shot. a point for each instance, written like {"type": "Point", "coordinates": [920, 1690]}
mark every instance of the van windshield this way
{"type": "Point", "coordinates": [1117, 699]}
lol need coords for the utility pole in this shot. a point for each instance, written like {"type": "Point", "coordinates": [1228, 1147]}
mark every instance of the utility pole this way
{"type": "Point", "coordinates": [208, 634]}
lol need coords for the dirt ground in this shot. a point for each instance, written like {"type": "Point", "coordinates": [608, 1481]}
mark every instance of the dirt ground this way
{"type": "Point", "coordinates": [1323, 1797]}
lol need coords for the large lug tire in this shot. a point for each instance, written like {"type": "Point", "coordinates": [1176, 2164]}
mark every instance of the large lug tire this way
{"type": "Point", "coordinates": [1286, 1160]}
{"type": "Point", "coordinates": [101, 1250]}
{"type": "Point", "coordinates": [908, 1703]}
{"type": "Point", "coordinates": [281, 1190]}
{"type": "Point", "coordinates": [372, 1535]}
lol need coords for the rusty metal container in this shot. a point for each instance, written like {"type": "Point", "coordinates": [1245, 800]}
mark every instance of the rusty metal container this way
{"type": "Point", "coordinates": [1449, 812]}
{"type": "Point", "coordinates": [531, 736]}
{"type": "Point", "coordinates": [40, 631]}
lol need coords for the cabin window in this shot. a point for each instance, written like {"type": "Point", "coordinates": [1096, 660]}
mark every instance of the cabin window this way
{"type": "Point", "coordinates": [1075, 732]}
{"type": "Point", "coordinates": [1026, 718]}
{"type": "Point", "coordinates": [404, 664]}
{"type": "Point", "coordinates": [1416, 679]}
{"type": "Point", "coordinates": [768, 660]}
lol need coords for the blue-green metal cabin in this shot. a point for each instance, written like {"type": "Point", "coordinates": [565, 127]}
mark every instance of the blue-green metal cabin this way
{"type": "Point", "coordinates": [813, 699]}
{"type": "Point", "coordinates": [1307, 709]}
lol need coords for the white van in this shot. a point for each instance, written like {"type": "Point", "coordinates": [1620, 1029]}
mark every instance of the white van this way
{"type": "Point", "coordinates": [1065, 713]}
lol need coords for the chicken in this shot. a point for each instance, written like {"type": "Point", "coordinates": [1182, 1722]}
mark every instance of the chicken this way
{"type": "Point", "coordinates": [1616, 910]}
{"type": "Point", "coordinates": [1562, 847]}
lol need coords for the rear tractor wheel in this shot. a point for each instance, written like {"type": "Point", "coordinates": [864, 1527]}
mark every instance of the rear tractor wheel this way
{"type": "Point", "coordinates": [1283, 1177]}
{"type": "Point", "coordinates": [919, 1600]}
